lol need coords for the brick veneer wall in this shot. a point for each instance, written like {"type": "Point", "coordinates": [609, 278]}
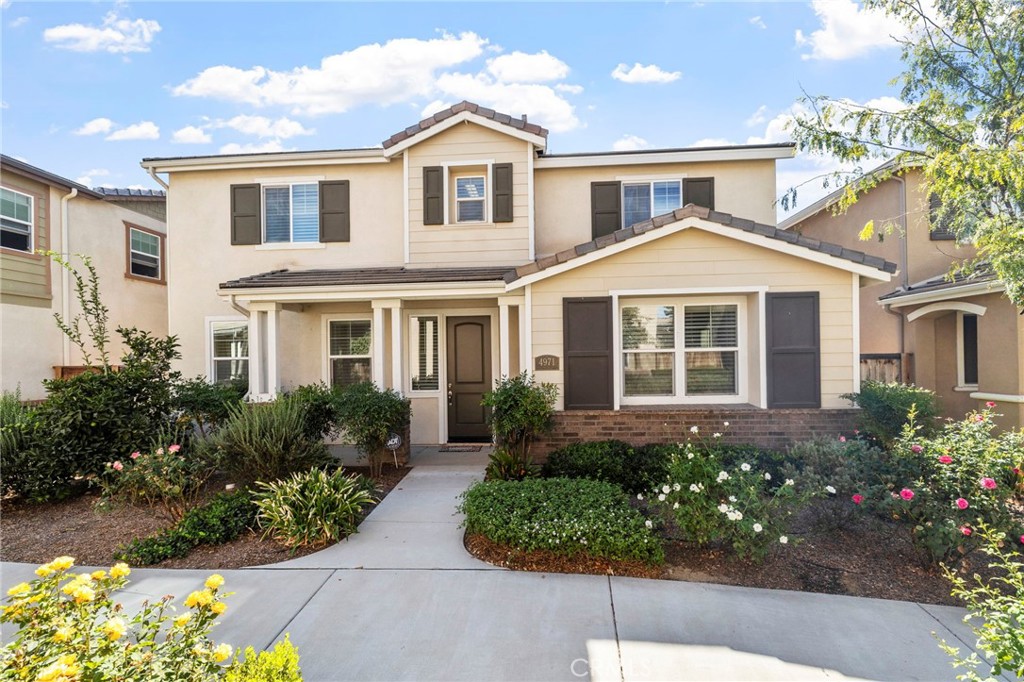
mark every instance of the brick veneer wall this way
{"type": "Point", "coordinates": [768, 428]}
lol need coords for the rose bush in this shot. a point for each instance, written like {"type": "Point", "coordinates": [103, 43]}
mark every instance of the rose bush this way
{"type": "Point", "coordinates": [167, 478]}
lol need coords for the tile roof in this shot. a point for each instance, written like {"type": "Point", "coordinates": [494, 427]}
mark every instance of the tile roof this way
{"type": "Point", "coordinates": [125, 192]}
{"type": "Point", "coordinates": [364, 276]}
{"type": "Point", "coordinates": [981, 274]}
{"type": "Point", "coordinates": [517, 123]}
{"type": "Point", "coordinates": [689, 211]}
{"type": "Point", "coordinates": [46, 176]}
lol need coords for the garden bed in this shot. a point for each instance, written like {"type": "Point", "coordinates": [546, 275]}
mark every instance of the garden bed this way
{"type": "Point", "coordinates": [36, 533]}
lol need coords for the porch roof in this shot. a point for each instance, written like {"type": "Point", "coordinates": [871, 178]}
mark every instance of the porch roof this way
{"type": "Point", "coordinates": [344, 277]}
{"type": "Point", "coordinates": [979, 281]}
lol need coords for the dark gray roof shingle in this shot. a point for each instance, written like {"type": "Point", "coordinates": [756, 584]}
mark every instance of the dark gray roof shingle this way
{"type": "Point", "coordinates": [364, 276]}
{"type": "Point", "coordinates": [982, 273]}
{"type": "Point", "coordinates": [504, 119]}
{"type": "Point", "coordinates": [131, 193]}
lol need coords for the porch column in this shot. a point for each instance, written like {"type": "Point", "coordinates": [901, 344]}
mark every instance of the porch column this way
{"type": "Point", "coordinates": [377, 361]}
{"type": "Point", "coordinates": [255, 354]}
{"type": "Point", "coordinates": [504, 331]}
{"type": "Point", "coordinates": [264, 374]}
{"type": "Point", "coordinates": [273, 372]}
{"type": "Point", "coordinates": [397, 357]}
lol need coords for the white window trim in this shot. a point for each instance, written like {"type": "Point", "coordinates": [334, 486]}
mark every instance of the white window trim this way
{"type": "Point", "coordinates": [961, 384]}
{"type": "Point", "coordinates": [446, 172]}
{"type": "Point", "coordinates": [412, 354]}
{"type": "Point", "coordinates": [159, 255]}
{"type": "Point", "coordinates": [649, 181]}
{"type": "Point", "coordinates": [210, 321]}
{"type": "Point", "coordinates": [680, 303]}
{"type": "Point", "coordinates": [325, 331]}
{"type": "Point", "coordinates": [31, 220]}
{"type": "Point", "coordinates": [291, 243]}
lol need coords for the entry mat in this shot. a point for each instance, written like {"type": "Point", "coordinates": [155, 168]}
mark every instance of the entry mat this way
{"type": "Point", "coordinates": [461, 448]}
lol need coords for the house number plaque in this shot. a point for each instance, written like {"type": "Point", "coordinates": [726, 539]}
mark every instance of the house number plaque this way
{"type": "Point", "coordinates": [545, 362]}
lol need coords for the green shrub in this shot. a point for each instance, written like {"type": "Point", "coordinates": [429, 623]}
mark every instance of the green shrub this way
{"type": "Point", "coordinates": [318, 407]}
{"type": "Point", "coordinates": [24, 471]}
{"type": "Point", "coordinates": [266, 441]}
{"type": "Point", "coordinates": [763, 459]}
{"type": "Point", "coordinates": [206, 405]}
{"type": "Point", "coordinates": [220, 520]}
{"type": "Point", "coordinates": [503, 465]}
{"type": "Point", "coordinates": [635, 470]}
{"type": "Point", "coordinates": [278, 665]}
{"type": "Point", "coordinates": [713, 502]}
{"type": "Point", "coordinates": [70, 628]}
{"type": "Point", "coordinates": [568, 516]}
{"type": "Point", "coordinates": [312, 508]}
{"type": "Point", "coordinates": [520, 410]}
{"type": "Point", "coordinates": [884, 408]}
{"type": "Point", "coordinates": [368, 416]}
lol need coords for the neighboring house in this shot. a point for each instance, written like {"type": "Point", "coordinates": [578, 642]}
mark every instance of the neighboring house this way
{"type": "Point", "coordinates": [958, 337]}
{"type": "Point", "coordinates": [462, 251]}
{"type": "Point", "coordinates": [123, 231]}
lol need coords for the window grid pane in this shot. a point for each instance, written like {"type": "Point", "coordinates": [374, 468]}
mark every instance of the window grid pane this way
{"type": "Point", "coordinates": [636, 203]}
{"type": "Point", "coordinates": [146, 243]}
{"type": "Point", "coordinates": [647, 374]}
{"type": "Point", "coordinates": [711, 372]}
{"type": "Point", "coordinates": [648, 327]}
{"type": "Point", "coordinates": [425, 376]}
{"type": "Point", "coordinates": [230, 351]}
{"type": "Point", "coordinates": [15, 206]}
{"type": "Point", "coordinates": [305, 213]}
{"type": "Point", "coordinates": [277, 211]}
{"type": "Point", "coordinates": [349, 344]}
{"type": "Point", "coordinates": [713, 326]}
{"type": "Point", "coordinates": [667, 197]}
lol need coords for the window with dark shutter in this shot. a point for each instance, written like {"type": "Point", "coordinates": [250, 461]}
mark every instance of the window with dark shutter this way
{"type": "Point", "coordinates": [245, 215]}
{"type": "Point", "coordinates": [940, 221]}
{"type": "Point", "coordinates": [433, 195]}
{"type": "Point", "coordinates": [502, 190]}
{"type": "Point", "coordinates": [794, 352]}
{"type": "Point", "coordinates": [335, 220]}
{"type": "Point", "coordinates": [588, 348]}
{"type": "Point", "coordinates": [605, 208]}
{"type": "Point", "coordinates": [699, 191]}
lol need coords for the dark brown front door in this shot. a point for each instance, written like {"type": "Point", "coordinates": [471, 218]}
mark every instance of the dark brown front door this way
{"type": "Point", "coordinates": [469, 377]}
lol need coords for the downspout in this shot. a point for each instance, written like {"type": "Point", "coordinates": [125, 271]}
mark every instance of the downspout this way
{"type": "Point", "coordinates": [904, 277]}
{"type": "Point", "coordinates": [65, 276]}
{"type": "Point", "coordinates": [159, 180]}
{"type": "Point", "coordinates": [234, 304]}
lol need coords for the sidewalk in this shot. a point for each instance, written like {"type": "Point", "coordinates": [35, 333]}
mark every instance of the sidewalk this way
{"type": "Point", "coordinates": [403, 601]}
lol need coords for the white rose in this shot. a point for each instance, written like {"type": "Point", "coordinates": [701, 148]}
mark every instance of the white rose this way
{"type": "Point", "coordinates": [830, 490]}
{"type": "Point", "coordinates": [661, 497]}
{"type": "Point", "coordinates": [732, 498]}
{"type": "Point", "coordinates": [716, 435]}
{"type": "Point", "coordinates": [725, 423]}
{"type": "Point", "coordinates": [694, 429]}
{"type": "Point", "coordinates": [723, 508]}
{"type": "Point", "coordinates": [675, 505]}
{"type": "Point", "coordinates": [745, 467]}
{"type": "Point", "coordinates": [648, 523]}
{"type": "Point", "coordinates": [758, 528]}
{"type": "Point", "coordinates": [784, 540]}
{"type": "Point", "coordinates": [666, 489]}
{"type": "Point", "coordinates": [789, 481]}
{"type": "Point", "coordinates": [767, 476]}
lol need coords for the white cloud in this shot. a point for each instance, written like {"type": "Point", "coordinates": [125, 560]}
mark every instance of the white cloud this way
{"type": "Point", "coordinates": [253, 148]}
{"type": "Point", "coordinates": [144, 130]}
{"type": "Point", "coordinates": [652, 73]}
{"type": "Point", "coordinates": [758, 21]}
{"type": "Point", "coordinates": [628, 143]}
{"type": "Point", "coordinates": [539, 102]}
{"type": "Point", "coordinates": [4, 4]}
{"type": "Point", "coordinates": [95, 126]}
{"type": "Point", "coordinates": [571, 89]}
{"type": "Point", "coordinates": [87, 177]}
{"type": "Point", "coordinates": [397, 71]}
{"type": "Point", "coordinates": [848, 30]}
{"type": "Point", "coordinates": [261, 126]}
{"type": "Point", "coordinates": [115, 35]}
{"type": "Point", "coordinates": [520, 67]}
{"type": "Point", "coordinates": [757, 118]}
{"type": "Point", "coordinates": [191, 135]}
{"type": "Point", "coordinates": [4, 105]}
{"type": "Point", "coordinates": [713, 142]}
{"type": "Point", "coordinates": [19, 22]}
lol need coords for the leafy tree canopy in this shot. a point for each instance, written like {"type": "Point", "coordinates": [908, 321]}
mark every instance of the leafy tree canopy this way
{"type": "Point", "coordinates": [963, 125]}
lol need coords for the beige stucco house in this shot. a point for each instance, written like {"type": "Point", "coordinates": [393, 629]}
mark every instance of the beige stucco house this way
{"type": "Point", "coordinates": [123, 231]}
{"type": "Point", "coordinates": [959, 337]}
{"type": "Point", "coordinates": [645, 285]}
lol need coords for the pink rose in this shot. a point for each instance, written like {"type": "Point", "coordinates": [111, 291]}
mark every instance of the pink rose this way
{"type": "Point", "coordinates": [117, 466]}
{"type": "Point", "coordinates": [1016, 470]}
{"type": "Point", "coordinates": [916, 449]}
{"type": "Point", "coordinates": [966, 530]}
{"type": "Point", "coordinates": [990, 404]}
{"type": "Point", "coordinates": [962, 503]}
{"type": "Point", "coordinates": [842, 439]}
{"type": "Point", "coordinates": [174, 448]}
{"type": "Point", "coordinates": [136, 454]}
{"type": "Point", "coordinates": [945, 459]}
{"type": "Point", "coordinates": [988, 484]}
{"type": "Point", "coordinates": [979, 417]}
{"type": "Point", "coordinates": [858, 498]}
{"type": "Point", "coordinates": [1022, 539]}
{"type": "Point", "coordinates": [907, 494]}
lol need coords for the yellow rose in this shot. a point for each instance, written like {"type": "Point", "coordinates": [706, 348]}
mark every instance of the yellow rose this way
{"type": "Point", "coordinates": [221, 652]}
{"type": "Point", "coordinates": [219, 607]}
{"type": "Point", "coordinates": [44, 571]}
{"type": "Point", "coordinates": [83, 593]}
{"type": "Point", "coordinates": [62, 563]}
{"type": "Point", "coordinates": [120, 570]}
{"type": "Point", "coordinates": [99, 575]}
{"type": "Point", "coordinates": [63, 634]}
{"type": "Point", "coordinates": [19, 589]}
{"type": "Point", "coordinates": [199, 598]}
{"type": "Point", "coordinates": [64, 669]}
{"type": "Point", "coordinates": [181, 620]}
{"type": "Point", "coordinates": [214, 581]}
{"type": "Point", "coordinates": [114, 629]}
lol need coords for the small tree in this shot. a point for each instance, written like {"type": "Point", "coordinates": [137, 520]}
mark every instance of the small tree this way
{"type": "Point", "coordinates": [368, 415]}
{"type": "Point", "coordinates": [521, 410]}
{"type": "Point", "coordinates": [93, 312]}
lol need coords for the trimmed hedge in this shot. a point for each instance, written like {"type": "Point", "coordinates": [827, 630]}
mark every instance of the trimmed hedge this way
{"type": "Point", "coordinates": [635, 470]}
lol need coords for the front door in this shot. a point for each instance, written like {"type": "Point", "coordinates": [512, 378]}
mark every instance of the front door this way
{"type": "Point", "coordinates": [469, 377]}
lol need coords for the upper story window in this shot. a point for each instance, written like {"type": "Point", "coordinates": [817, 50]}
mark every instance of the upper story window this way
{"type": "Point", "coordinates": [940, 221]}
{"type": "Point", "coordinates": [291, 213]}
{"type": "Point", "coordinates": [15, 220]}
{"type": "Point", "coordinates": [644, 200]}
{"type": "Point", "coordinates": [615, 204]}
{"type": "Point", "coordinates": [145, 253]}
{"type": "Point", "coordinates": [470, 199]}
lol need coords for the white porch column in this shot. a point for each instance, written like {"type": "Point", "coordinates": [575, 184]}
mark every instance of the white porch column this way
{"type": "Point", "coordinates": [397, 357]}
{"type": "Point", "coordinates": [273, 372]}
{"type": "Point", "coordinates": [255, 354]}
{"type": "Point", "coordinates": [264, 372]}
{"type": "Point", "coordinates": [505, 331]}
{"type": "Point", "coordinates": [377, 362]}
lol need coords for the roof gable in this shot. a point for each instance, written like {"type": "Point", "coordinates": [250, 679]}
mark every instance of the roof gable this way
{"type": "Point", "coordinates": [465, 111]}
{"type": "Point", "coordinates": [724, 224]}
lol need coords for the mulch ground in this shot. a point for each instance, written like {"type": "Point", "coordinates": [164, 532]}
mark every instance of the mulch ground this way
{"type": "Point", "coordinates": [85, 529]}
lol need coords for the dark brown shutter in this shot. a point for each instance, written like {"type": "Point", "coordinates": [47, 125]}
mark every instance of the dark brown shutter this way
{"type": "Point", "coordinates": [605, 208]}
{"type": "Point", "coordinates": [699, 191]}
{"type": "Point", "coordinates": [335, 216]}
{"type": "Point", "coordinates": [794, 352]}
{"type": "Point", "coordinates": [502, 192]}
{"type": "Point", "coordinates": [433, 195]}
{"type": "Point", "coordinates": [941, 230]}
{"type": "Point", "coordinates": [246, 226]}
{"type": "Point", "coordinates": [587, 332]}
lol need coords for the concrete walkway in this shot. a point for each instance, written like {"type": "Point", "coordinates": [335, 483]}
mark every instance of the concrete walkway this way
{"type": "Point", "coordinates": [403, 601]}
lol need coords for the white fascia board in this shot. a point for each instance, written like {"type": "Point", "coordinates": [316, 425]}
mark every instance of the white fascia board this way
{"type": "Point", "coordinates": [975, 289]}
{"type": "Point", "coordinates": [675, 156]}
{"type": "Point", "coordinates": [277, 160]}
{"type": "Point", "coordinates": [714, 228]}
{"type": "Point", "coordinates": [463, 117]}
{"type": "Point", "coordinates": [326, 294]}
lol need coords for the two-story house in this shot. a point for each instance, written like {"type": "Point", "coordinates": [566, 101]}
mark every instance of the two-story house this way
{"type": "Point", "coordinates": [461, 251]}
{"type": "Point", "coordinates": [122, 231]}
{"type": "Point", "coordinates": [959, 337]}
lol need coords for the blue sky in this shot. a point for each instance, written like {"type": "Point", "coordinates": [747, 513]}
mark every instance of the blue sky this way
{"type": "Point", "coordinates": [90, 88]}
